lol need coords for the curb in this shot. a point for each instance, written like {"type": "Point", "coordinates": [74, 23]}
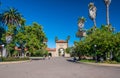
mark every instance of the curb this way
{"type": "Point", "coordinates": [98, 64]}
{"type": "Point", "coordinates": [14, 62]}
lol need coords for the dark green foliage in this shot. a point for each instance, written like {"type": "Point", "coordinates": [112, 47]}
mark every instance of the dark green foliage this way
{"type": "Point", "coordinates": [2, 31]}
{"type": "Point", "coordinates": [33, 36]}
{"type": "Point", "coordinates": [107, 44]}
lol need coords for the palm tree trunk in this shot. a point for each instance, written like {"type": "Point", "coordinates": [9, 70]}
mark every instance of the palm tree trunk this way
{"type": "Point", "coordinates": [94, 22]}
{"type": "Point", "coordinates": [107, 13]}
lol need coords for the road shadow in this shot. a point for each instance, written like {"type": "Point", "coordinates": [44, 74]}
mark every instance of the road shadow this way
{"type": "Point", "coordinates": [72, 60]}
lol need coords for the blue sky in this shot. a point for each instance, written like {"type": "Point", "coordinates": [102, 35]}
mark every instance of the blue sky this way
{"type": "Point", "coordinates": [59, 17]}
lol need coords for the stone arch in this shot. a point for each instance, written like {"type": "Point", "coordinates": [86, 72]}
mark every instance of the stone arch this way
{"type": "Point", "coordinates": [61, 46]}
{"type": "Point", "coordinates": [27, 54]}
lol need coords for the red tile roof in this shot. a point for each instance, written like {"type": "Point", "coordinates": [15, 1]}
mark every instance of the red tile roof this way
{"type": "Point", "coordinates": [61, 41]}
{"type": "Point", "coordinates": [51, 49]}
{"type": "Point", "coordinates": [19, 49]}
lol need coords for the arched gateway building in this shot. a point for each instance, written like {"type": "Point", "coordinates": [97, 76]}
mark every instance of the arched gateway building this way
{"type": "Point", "coordinates": [60, 49]}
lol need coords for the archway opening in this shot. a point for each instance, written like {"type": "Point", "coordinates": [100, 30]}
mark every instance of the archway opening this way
{"type": "Point", "coordinates": [50, 54]}
{"type": "Point", "coordinates": [61, 52]}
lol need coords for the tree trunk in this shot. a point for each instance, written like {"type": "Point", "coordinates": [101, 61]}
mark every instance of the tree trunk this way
{"type": "Point", "coordinates": [94, 22]}
{"type": "Point", "coordinates": [79, 57]}
{"type": "Point", "coordinates": [107, 13]}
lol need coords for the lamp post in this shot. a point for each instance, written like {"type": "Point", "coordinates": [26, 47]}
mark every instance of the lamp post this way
{"type": "Point", "coordinates": [2, 49]}
{"type": "Point", "coordinates": [1, 52]}
{"type": "Point", "coordinates": [8, 40]}
{"type": "Point", "coordinates": [95, 53]}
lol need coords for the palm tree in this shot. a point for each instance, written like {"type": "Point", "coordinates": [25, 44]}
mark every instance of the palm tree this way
{"type": "Point", "coordinates": [22, 25]}
{"type": "Point", "coordinates": [92, 12]}
{"type": "Point", "coordinates": [0, 13]}
{"type": "Point", "coordinates": [11, 17]}
{"type": "Point", "coordinates": [80, 32]}
{"type": "Point", "coordinates": [68, 38]}
{"type": "Point", "coordinates": [81, 21]}
{"type": "Point", "coordinates": [56, 38]}
{"type": "Point", "coordinates": [107, 3]}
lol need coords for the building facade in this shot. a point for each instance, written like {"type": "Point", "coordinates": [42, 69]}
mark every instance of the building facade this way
{"type": "Point", "coordinates": [60, 49]}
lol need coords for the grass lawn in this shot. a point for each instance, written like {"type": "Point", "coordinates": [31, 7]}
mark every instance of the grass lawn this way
{"type": "Point", "coordinates": [106, 62]}
{"type": "Point", "coordinates": [89, 61]}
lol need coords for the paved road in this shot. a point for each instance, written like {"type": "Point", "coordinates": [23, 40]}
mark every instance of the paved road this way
{"type": "Point", "coordinates": [57, 68]}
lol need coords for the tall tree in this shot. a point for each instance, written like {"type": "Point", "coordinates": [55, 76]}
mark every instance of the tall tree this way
{"type": "Point", "coordinates": [92, 12]}
{"type": "Point", "coordinates": [33, 36]}
{"type": "Point", "coordinates": [11, 18]}
{"type": "Point", "coordinates": [107, 3]}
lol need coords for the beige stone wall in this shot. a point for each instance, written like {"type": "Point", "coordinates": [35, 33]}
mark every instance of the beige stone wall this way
{"type": "Point", "coordinates": [53, 53]}
{"type": "Point", "coordinates": [67, 55]}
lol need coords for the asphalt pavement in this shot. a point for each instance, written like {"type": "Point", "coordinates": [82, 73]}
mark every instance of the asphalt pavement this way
{"type": "Point", "coordinates": [57, 68]}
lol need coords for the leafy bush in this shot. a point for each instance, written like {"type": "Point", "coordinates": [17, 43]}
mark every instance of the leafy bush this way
{"type": "Point", "coordinates": [106, 42]}
{"type": "Point", "coordinates": [39, 53]}
{"type": "Point", "coordinates": [117, 59]}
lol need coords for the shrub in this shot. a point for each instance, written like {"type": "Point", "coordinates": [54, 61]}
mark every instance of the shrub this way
{"type": "Point", "coordinates": [13, 59]}
{"type": "Point", "coordinates": [39, 53]}
{"type": "Point", "coordinates": [117, 59]}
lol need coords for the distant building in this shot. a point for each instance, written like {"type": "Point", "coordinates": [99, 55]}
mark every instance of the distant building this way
{"type": "Point", "coordinates": [60, 49]}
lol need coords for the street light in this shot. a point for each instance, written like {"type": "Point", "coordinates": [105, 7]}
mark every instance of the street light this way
{"type": "Point", "coordinates": [2, 49]}
{"type": "Point", "coordinates": [1, 52]}
{"type": "Point", "coordinates": [95, 53]}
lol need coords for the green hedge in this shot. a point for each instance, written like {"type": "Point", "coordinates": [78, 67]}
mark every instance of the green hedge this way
{"type": "Point", "coordinates": [13, 59]}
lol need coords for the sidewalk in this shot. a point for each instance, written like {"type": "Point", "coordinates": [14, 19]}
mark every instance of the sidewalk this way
{"type": "Point", "coordinates": [14, 62]}
{"type": "Point", "coordinates": [101, 64]}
